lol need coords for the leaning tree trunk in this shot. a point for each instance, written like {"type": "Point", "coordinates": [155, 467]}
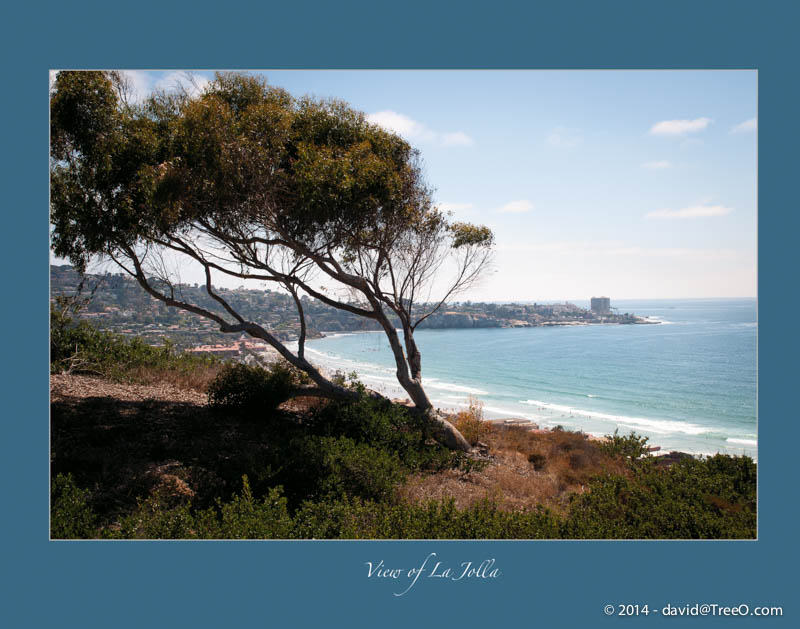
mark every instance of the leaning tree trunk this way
{"type": "Point", "coordinates": [444, 432]}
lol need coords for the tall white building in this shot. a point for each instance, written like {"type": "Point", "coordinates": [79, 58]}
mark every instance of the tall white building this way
{"type": "Point", "coordinates": [601, 305]}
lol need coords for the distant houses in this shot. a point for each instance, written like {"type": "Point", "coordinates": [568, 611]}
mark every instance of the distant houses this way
{"type": "Point", "coordinates": [240, 349]}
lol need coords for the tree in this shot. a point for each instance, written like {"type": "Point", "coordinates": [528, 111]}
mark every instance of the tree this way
{"type": "Point", "coordinates": [250, 182]}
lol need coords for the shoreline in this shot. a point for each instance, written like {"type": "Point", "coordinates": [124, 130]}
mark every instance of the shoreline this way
{"type": "Point", "coordinates": [321, 334]}
{"type": "Point", "coordinates": [452, 398]}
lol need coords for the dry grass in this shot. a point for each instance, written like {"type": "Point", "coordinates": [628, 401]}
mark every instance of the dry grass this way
{"type": "Point", "coordinates": [470, 422]}
{"type": "Point", "coordinates": [195, 379]}
{"type": "Point", "coordinates": [526, 468]}
{"type": "Point", "coordinates": [71, 387]}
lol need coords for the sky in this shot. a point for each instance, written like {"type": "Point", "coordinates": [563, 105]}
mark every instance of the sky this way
{"type": "Point", "coordinates": [626, 184]}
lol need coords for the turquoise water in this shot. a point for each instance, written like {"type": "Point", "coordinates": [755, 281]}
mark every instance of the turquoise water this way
{"type": "Point", "coordinates": [688, 383]}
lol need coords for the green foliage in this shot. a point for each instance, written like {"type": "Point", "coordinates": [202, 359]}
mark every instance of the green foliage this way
{"type": "Point", "coordinates": [363, 447]}
{"type": "Point", "coordinates": [253, 390]}
{"type": "Point", "coordinates": [435, 519]}
{"type": "Point", "coordinates": [711, 498]}
{"type": "Point", "coordinates": [243, 517]}
{"type": "Point", "coordinates": [464, 234]}
{"type": "Point", "coordinates": [100, 151]}
{"type": "Point", "coordinates": [157, 519]}
{"type": "Point", "coordinates": [70, 514]}
{"type": "Point", "coordinates": [124, 174]}
{"type": "Point", "coordinates": [77, 346]}
{"type": "Point", "coordinates": [381, 424]}
{"type": "Point", "coordinates": [629, 447]}
{"type": "Point", "coordinates": [246, 517]}
{"type": "Point", "coordinates": [343, 467]}
{"type": "Point", "coordinates": [349, 380]}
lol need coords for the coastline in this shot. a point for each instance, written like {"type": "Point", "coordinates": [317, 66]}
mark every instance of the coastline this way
{"type": "Point", "coordinates": [505, 394]}
{"type": "Point", "coordinates": [496, 417]}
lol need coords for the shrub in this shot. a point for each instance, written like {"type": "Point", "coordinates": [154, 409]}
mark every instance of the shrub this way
{"type": "Point", "coordinates": [630, 447]}
{"type": "Point", "coordinates": [435, 519]}
{"type": "Point", "coordinates": [713, 498]}
{"type": "Point", "coordinates": [379, 423]}
{"type": "Point", "coordinates": [243, 517]}
{"type": "Point", "coordinates": [156, 519]}
{"type": "Point", "coordinates": [470, 422]}
{"type": "Point", "coordinates": [77, 346]}
{"type": "Point", "coordinates": [70, 514]}
{"type": "Point", "coordinates": [357, 469]}
{"type": "Point", "coordinates": [708, 498]}
{"type": "Point", "coordinates": [252, 389]}
{"type": "Point", "coordinates": [537, 460]}
{"type": "Point", "coordinates": [349, 380]}
{"type": "Point", "coordinates": [330, 468]}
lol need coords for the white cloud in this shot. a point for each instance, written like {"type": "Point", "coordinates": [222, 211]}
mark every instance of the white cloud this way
{"type": "Point", "coordinates": [454, 207]}
{"type": "Point", "coordinates": [413, 131]}
{"type": "Point", "coordinates": [516, 207]}
{"type": "Point", "coordinates": [745, 127]}
{"type": "Point", "coordinates": [563, 137]}
{"type": "Point", "coordinates": [694, 211]}
{"type": "Point", "coordinates": [679, 127]}
{"type": "Point", "coordinates": [662, 165]}
{"type": "Point", "coordinates": [398, 123]}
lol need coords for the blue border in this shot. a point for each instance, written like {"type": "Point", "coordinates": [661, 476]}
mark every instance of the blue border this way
{"type": "Point", "coordinates": [91, 584]}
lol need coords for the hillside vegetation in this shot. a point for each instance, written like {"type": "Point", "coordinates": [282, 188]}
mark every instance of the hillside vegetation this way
{"type": "Point", "coordinates": [149, 443]}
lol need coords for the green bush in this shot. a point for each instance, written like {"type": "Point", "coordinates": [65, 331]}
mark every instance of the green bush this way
{"type": "Point", "coordinates": [379, 423]}
{"type": "Point", "coordinates": [436, 519]}
{"type": "Point", "coordinates": [629, 447]}
{"type": "Point", "coordinates": [317, 467]}
{"type": "Point", "coordinates": [710, 498]}
{"type": "Point", "coordinates": [246, 518]}
{"type": "Point", "coordinates": [70, 514]}
{"type": "Point", "coordinates": [706, 498]}
{"type": "Point", "coordinates": [243, 517]}
{"type": "Point", "coordinates": [77, 346]}
{"type": "Point", "coordinates": [252, 389]}
{"type": "Point", "coordinates": [154, 519]}
{"type": "Point", "coordinates": [347, 468]}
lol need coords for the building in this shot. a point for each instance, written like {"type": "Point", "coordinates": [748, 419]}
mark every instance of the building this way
{"type": "Point", "coordinates": [223, 351]}
{"type": "Point", "coordinates": [601, 305]}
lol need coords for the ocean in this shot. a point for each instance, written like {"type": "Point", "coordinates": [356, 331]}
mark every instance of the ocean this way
{"type": "Point", "coordinates": [688, 383]}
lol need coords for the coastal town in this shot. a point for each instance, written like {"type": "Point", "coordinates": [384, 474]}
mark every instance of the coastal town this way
{"type": "Point", "coordinates": [116, 303]}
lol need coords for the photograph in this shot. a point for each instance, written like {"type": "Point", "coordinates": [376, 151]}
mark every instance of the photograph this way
{"type": "Point", "coordinates": [386, 305]}
{"type": "Point", "coordinates": [400, 315]}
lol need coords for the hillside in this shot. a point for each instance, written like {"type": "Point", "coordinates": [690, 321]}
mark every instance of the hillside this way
{"type": "Point", "coordinates": [117, 303]}
{"type": "Point", "coordinates": [133, 460]}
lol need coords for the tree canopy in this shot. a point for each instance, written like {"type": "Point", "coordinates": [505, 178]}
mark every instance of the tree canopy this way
{"type": "Point", "coordinates": [249, 181]}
